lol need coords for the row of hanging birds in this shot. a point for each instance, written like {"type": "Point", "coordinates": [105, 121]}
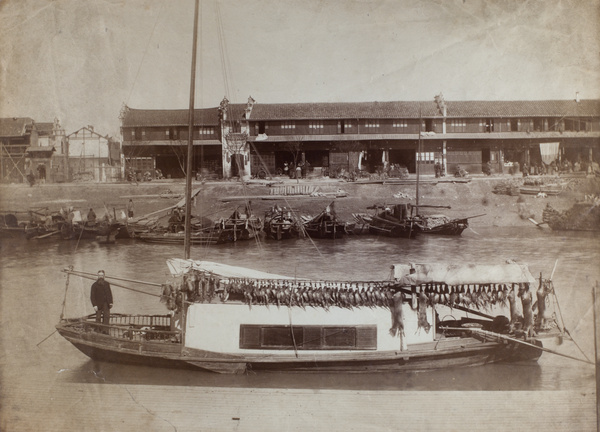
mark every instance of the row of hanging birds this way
{"type": "Point", "coordinates": [205, 287]}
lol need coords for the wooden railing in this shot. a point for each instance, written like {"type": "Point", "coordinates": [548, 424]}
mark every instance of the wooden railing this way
{"type": "Point", "coordinates": [138, 328]}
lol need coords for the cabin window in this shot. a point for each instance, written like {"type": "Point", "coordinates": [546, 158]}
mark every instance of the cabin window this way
{"type": "Point", "coordinates": [308, 337]}
{"type": "Point", "coordinates": [372, 123]}
{"type": "Point", "coordinates": [288, 125]}
{"type": "Point", "coordinates": [400, 123]}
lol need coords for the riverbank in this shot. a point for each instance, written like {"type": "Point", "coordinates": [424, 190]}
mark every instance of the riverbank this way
{"type": "Point", "coordinates": [217, 199]}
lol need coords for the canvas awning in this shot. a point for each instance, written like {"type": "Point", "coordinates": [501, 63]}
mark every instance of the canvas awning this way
{"type": "Point", "coordinates": [549, 152]}
{"type": "Point", "coordinates": [464, 274]}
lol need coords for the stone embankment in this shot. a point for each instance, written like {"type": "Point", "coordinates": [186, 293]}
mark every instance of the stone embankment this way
{"type": "Point", "coordinates": [216, 199]}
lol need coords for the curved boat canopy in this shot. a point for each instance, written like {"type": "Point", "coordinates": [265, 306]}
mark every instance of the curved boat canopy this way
{"type": "Point", "coordinates": [455, 274]}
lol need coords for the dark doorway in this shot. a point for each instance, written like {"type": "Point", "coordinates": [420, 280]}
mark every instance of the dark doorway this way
{"type": "Point", "coordinates": [485, 156]}
{"type": "Point", "coordinates": [404, 157]}
{"type": "Point", "coordinates": [170, 166]}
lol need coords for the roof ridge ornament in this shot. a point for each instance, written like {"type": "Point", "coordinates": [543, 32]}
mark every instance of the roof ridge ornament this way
{"type": "Point", "coordinates": [441, 104]}
{"type": "Point", "coordinates": [124, 111]}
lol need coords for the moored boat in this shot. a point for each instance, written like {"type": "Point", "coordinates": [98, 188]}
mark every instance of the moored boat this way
{"type": "Point", "coordinates": [440, 224]}
{"type": "Point", "coordinates": [231, 319]}
{"type": "Point", "coordinates": [582, 216]}
{"type": "Point", "coordinates": [279, 223]}
{"type": "Point", "coordinates": [326, 224]}
{"type": "Point", "coordinates": [392, 221]}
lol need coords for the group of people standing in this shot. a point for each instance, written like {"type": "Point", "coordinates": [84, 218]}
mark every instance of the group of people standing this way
{"type": "Point", "coordinates": [295, 171]}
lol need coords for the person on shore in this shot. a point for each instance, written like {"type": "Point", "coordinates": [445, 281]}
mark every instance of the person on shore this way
{"type": "Point", "coordinates": [31, 178]}
{"type": "Point", "coordinates": [438, 169]}
{"type": "Point", "coordinates": [102, 300]}
{"type": "Point", "coordinates": [41, 169]}
{"type": "Point", "coordinates": [130, 208]}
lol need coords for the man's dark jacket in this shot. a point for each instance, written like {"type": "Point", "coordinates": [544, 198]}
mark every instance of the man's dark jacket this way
{"type": "Point", "coordinates": [101, 294]}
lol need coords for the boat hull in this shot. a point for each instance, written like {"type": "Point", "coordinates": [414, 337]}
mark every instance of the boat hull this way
{"type": "Point", "coordinates": [440, 354]}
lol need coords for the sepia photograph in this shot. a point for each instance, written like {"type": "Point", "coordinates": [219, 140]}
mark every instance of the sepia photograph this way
{"type": "Point", "coordinates": [282, 215]}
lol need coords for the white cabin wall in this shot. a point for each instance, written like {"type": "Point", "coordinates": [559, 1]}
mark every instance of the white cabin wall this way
{"type": "Point", "coordinates": [217, 327]}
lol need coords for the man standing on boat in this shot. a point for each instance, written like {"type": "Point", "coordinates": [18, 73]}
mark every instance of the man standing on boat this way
{"type": "Point", "coordinates": [102, 300]}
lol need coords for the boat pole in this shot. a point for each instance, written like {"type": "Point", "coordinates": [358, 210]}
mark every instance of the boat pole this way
{"type": "Point", "coordinates": [190, 152]}
{"type": "Point", "coordinates": [418, 163]}
{"type": "Point", "coordinates": [82, 273]}
{"type": "Point", "coordinates": [511, 339]}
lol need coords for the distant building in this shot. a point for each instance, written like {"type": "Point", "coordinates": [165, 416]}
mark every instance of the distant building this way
{"type": "Point", "coordinates": [92, 156]}
{"type": "Point", "coordinates": [157, 140]}
{"type": "Point", "coordinates": [29, 147]}
{"type": "Point", "coordinates": [257, 139]}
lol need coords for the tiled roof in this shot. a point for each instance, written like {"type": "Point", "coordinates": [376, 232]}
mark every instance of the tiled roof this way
{"type": "Point", "coordinates": [44, 128]}
{"type": "Point", "coordinates": [379, 110]}
{"type": "Point", "coordinates": [179, 117]}
{"type": "Point", "coordinates": [367, 110]}
{"type": "Point", "coordinates": [15, 126]}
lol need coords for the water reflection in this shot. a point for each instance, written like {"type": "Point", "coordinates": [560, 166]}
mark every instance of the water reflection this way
{"type": "Point", "coordinates": [483, 378]}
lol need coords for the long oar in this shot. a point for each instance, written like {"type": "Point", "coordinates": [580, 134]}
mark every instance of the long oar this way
{"type": "Point", "coordinates": [46, 235]}
{"type": "Point", "coordinates": [501, 336]}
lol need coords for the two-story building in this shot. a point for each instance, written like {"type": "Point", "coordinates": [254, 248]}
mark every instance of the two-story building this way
{"type": "Point", "coordinates": [30, 147]}
{"type": "Point", "coordinates": [245, 139]}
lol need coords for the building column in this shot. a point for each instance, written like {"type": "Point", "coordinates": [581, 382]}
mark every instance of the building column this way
{"type": "Point", "coordinates": [444, 158]}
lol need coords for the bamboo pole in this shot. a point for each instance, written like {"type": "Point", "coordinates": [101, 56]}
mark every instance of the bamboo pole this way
{"type": "Point", "coordinates": [112, 283]}
{"type": "Point", "coordinates": [81, 273]}
{"type": "Point", "coordinates": [190, 147]}
{"type": "Point", "coordinates": [508, 338]}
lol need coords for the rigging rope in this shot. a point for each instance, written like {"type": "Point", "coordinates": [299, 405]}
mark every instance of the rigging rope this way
{"type": "Point", "coordinates": [158, 15]}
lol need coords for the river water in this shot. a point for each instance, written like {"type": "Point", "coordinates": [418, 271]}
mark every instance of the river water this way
{"type": "Point", "coordinates": [33, 289]}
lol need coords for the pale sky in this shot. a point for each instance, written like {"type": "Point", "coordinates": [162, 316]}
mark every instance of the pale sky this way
{"type": "Point", "coordinates": [80, 60]}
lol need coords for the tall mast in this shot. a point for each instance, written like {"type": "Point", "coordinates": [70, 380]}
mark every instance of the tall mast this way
{"type": "Point", "coordinates": [419, 159]}
{"type": "Point", "coordinates": [190, 152]}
